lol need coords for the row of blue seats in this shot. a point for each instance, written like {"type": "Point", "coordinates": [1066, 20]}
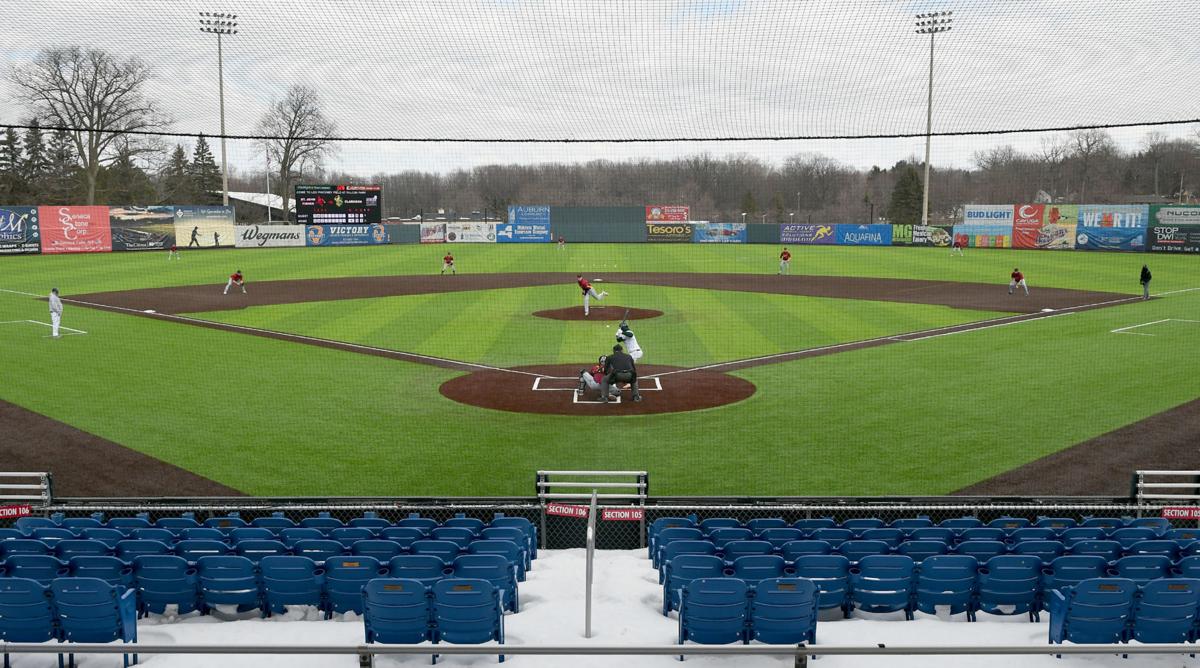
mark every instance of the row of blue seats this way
{"type": "Point", "coordinates": [920, 549]}
{"type": "Point", "coordinates": [269, 585]}
{"type": "Point", "coordinates": [720, 611]}
{"type": "Point", "coordinates": [914, 527]}
{"type": "Point", "coordinates": [1014, 584]}
{"type": "Point", "coordinates": [68, 610]}
{"type": "Point", "coordinates": [1117, 610]}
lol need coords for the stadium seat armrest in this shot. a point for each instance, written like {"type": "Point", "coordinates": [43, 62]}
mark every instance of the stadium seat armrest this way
{"type": "Point", "coordinates": [1058, 615]}
{"type": "Point", "coordinates": [127, 606]}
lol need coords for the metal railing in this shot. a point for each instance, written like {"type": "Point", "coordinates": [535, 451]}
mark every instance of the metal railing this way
{"type": "Point", "coordinates": [638, 484]}
{"type": "Point", "coordinates": [591, 559]}
{"type": "Point", "coordinates": [31, 488]}
{"type": "Point", "coordinates": [1146, 491]}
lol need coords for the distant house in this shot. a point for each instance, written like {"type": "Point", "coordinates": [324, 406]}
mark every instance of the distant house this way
{"type": "Point", "coordinates": [252, 207]}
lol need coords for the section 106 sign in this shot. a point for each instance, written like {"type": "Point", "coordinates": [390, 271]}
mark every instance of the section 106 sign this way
{"type": "Point", "coordinates": [338, 205]}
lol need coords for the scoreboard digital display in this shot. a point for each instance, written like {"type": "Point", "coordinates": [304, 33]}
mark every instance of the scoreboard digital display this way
{"type": "Point", "coordinates": [338, 205]}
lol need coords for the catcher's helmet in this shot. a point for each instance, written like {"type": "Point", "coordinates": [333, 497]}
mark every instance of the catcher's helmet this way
{"type": "Point", "coordinates": [602, 360]}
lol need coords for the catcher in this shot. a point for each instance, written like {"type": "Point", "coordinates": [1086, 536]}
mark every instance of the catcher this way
{"type": "Point", "coordinates": [591, 379]}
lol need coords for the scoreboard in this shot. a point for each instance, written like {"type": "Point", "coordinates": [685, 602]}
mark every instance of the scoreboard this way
{"type": "Point", "coordinates": [338, 205]}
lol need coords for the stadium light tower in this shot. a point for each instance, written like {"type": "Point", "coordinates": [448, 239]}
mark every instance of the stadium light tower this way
{"type": "Point", "coordinates": [930, 24]}
{"type": "Point", "coordinates": [219, 25]}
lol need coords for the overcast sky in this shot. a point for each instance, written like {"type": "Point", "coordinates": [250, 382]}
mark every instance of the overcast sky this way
{"type": "Point", "coordinates": [635, 69]}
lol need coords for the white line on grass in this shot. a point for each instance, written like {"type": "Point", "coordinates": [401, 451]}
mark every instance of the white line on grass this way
{"type": "Point", "coordinates": [1125, 330]}
{"type": "Point", "coordinates": [71, 331]}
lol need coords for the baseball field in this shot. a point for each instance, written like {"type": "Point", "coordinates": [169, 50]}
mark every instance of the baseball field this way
{"type": "Point", "coordinates": [362, 371]}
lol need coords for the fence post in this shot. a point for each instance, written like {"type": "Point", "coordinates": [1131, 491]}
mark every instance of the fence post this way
{"type": "Point", "coordinates": [591, 555]}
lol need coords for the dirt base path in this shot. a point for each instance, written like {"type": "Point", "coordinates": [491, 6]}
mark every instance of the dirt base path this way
{"type": "Point", "coordinates": [1101, 466]}
{"type": "Point", "coordinates": [554, 394]}
{"type": "Point", "coordinates": [86, 465]}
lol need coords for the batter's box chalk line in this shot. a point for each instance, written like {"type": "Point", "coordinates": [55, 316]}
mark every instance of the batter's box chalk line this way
{"type": "Point", "coordinates": [571, 383]}
{"type": "Point", "coordinates": [1126, 330]}
{"type": "Point", "coordinates": [67, 331]}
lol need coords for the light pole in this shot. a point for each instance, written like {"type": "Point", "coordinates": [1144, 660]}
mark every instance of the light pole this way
{"type": "Point", "coordinates": [930, 24]}
{"type": "Point", "coordinates": [743, 217]}
{"type": "Point", "coordinates": [764, 219]}
{"type": "Point", "coordinates": [220, 24]}
{"type": "Point", "coordinates": [792, 217]}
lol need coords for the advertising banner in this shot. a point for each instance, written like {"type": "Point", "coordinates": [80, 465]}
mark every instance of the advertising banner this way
{"type": "Point", "coordinates": [1061, 214]}
{"type": "Point", "coordinates": [800, 233]}
{"type": "Point", "coordinates": [345, 235]}
{"type": "Point", "coordinates": [74, 229]}
{"type": "Point", "coordinates": [719, 233]}
{"type": "Point", "coordinates": [269, 236]}
{"type": "Point", "coordinates": [19, 230]}
{"type": "Point", "coordinates": [1029, 215]}
{"type": "Point", "coordinates": [1110, 238]}
{"type": "Point", "coordinates": [1114, 215]}
{"type": "Point", "coordinates": [204, 226]}
{"type": "Point", "coordinates": [902, 235]}
{"type": "Point", "coordinates": [523, 233]}
{"type": "Point", "coordinates": [676, 233]}
{"type": "Point", "coordinates": [530, 215]}
{"type": "Point", "coordinates": [142, 227]}
{"type": "Point", "coordinates": [667, 213]}
{"type": "Point", "coordinates": [974, 214]}
{"type": "Point", "coordinates": [1046, 237]}
{"type": "Point", "coordinates": [984, 236]}
{"type": "Point", "coordinates": [433, 233]}
{"type": "Point", "coordinates": [471, 233]}
{"type": "Point", "coordinates": [930, 235]}
{"type": "Point", "coordinates": [1172, 238]}
{"type": "Point", "coordinates": [1175, 215]}
{"type": "Point", "coordinates": [864, 235]}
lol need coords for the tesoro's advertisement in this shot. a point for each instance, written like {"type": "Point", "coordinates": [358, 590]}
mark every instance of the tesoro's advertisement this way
{"type": "Point", "coordinates": [19, 229]}
{"type": "Point", "coordinates": [675, 233]}
{"type": "Point", "coordinates": [269, 236]}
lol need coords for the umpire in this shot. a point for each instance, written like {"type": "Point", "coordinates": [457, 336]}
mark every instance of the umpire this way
{"type": "Point", "coordinates": [619, 368]}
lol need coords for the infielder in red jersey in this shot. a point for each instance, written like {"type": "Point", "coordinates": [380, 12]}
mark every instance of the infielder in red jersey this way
{"type": "Point", "coordinates": [960, 242]}
{"type": "Point", "coordinates": [1017, 279]}
{"type": "Point", "coordinates": [174, 253]}
{"type": "Point", "coordinates": [448, 263]}
{"type": "Point", "coordinates": [562, 243]}
{"type": "Point", "coordinates": [236, 279]}
{"type": "Point", "coordinates": [785, 261]}
{"type": "Point", "coordinates": [588, 292]}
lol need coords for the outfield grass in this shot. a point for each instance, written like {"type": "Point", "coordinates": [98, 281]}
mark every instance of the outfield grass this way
{"type": "Point", "coordinates": [274, 418]}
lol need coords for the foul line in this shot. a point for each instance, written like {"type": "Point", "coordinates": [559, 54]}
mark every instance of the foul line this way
{"type": "Point", "coordinates": [1125, 330]}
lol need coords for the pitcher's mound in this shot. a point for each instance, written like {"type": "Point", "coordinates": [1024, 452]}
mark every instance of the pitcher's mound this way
{"type": "Point", "coordinates": [599, 313]}
{"type": "Point", "coordinates": [551, 390]}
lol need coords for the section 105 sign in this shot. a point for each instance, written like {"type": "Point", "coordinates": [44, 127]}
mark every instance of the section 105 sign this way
{"type": "Point", "coordinates": [338, 204]}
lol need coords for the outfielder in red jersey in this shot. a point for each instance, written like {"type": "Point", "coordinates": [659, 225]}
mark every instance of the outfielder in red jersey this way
{"type": "Point", "coordinates": [588, 292]}
{"type": "Point", "coordinates": [236, 279]}
{"type": "Point", "coordinates": [785, 261]}
{"type": "Point", "coordinates": [448, 263]}
{"type": "Point", "coordinates": [562, 243]}
{"type": "Point", "coordinates": [1017, 279]}
{"type": "Point", "coordinates": [174, 254]}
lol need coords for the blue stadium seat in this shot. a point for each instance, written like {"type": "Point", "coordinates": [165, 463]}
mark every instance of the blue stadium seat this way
{"type": "Point", "coordinates": [528, 528]}
{"type": "Point", "coordinates": [65, 549]}
{"type": "Point", "coordinates": [754, 568]}
{"type": "Point", "coordinates": [676, 548]}
{"type": "Point", "coordinates": [371, 521]}
{"type": "Point", "coordinates": [229, 580]}
{"type": "Point", "coordinates": [831, 574]}
{"type": "Point", "coordinates": [960, 523]}
{"type": "Point", "coordinates": [792, 550]}
{"type": "Point", "coordinates": [226, 524]}
{"type": "Point", "coordinates": [861, 524]}
{"type": "Point", "coordinates": [23, 546]}
{"type": "Point", "coordinates": [26, 614]}
{"type": "Point", "coordinates": [777, 537]}
{"type": "Point", "coordinates": [722, 535]}
{"type": "Point", "coordinates": [496, 570]}
{"type": "Point", "coordinates": [415, 521]}
{"type": "Point", "coordinates": [191, 550]}
{"type": "Point", "coordinates": [51, 535]}
{"type": "Point", "coordinates": [8, 533]}
{"type": "Point", "coordinates": [981, 549]}
{"type": "Point", "coordinates": [1188, 567]}
{"type": "Point", "coordinates": [1009, 524]}
{"type": "Point", "coordinates": [683, 569]}
{"type": "Point", "coordinates": [1183, 536]}
{"type": "Point", "coordinates": [1109, 523]}
{"type": "Point", "coordinates": [890, 535]}
{"type": "Point", "coordinates": [110, 569]}
{"type": "Point", "coordinates": [109, 537]}
{"type": "Point", "coordinates": [289, 580]}
{"type": "Point", "coordinates": [883, 583]}
{"type": "Point", "coordinates": [126, 525]}
{"type": "Point", "coordinates": [910, 523]}
{"type": "Point", "coordinates": [322, 522]}
{"type": "Point", "coordinates": [1032, 533]}
{"type": "Point", "coordinates": [1011, 584]}
{"type": "Point", "coordinates": [1095, 611]}
{"type": "Point", "coordinates": [1074, 534]}
{"type": "Point", "coordinates": [296, 534]}
{"type": "Point", "coordinates": [1059, 524]}
{"type": "Point", "coordinates": [396, 611]}
{"type": "Point", "coordinates": [345, 578]}
{"type": "Point", "coordinates": [1165, 611]}
{"type": "Point", "coordinates": [40, 567]}
{"type": "Point", "coordinates": [666, 536]}
{"type": "Point", "coordinates": [92, 611]}
{"type": "Point", "coordinates": [1046, 550]}
{"type": "Point", "coordinates": [1141, 568]}
{"type": "Point", "coordinates": [175, 524]}
{"type": "Point", "coordinates": [1160, 525]}
{"type": "Point", "coordinates": [1109, 549]}
{"type": "Point", "coordinates": [461, 521]}
{"type": "Point", "coordinates": [515, 534]}
{"type": "Point", "coordinates": [163, 580]}
{"type": "Point", "coordinates": [854, 550]}
{"type": "Point", "coordinates": [424, 568]}
{"type": "Point", "coordinates": [978, 533]}
{"type": "Point", "coordinates": [254, 550]}
{"type": "Point", "coordinates": [348, 536]}
{"type": "Point", "coordinates": [943, 534]}
{"type": "Point", "coordinates": [742, 548]}
{"type": "Point", "coordinates": [918, 550]}
{"type": "Point", "coordinates": [27, 524]}
{"type": "Point", "coordinates": [833, 536]}
{"type": "Point", "coordinates": [154, 533]}
{"type": "Point", "coordinates": [402, 535]}
{"type": "Point", "coordinates": [783, 611]}
{"type": "Point", "coordinates": [206, 533]}
{"type": "Point", "coordinates": [511, 551]}
{"type": "Point", "coordinates": [1127, 536]}
{"type": "Point", "coordinates": [714, 611]}
{"type": "Point", "coordinates": [713, 523]}
{"type": "Point", "coordinates": [383, 550]}
{"type": "Point", "coordinates": [251, 533]}
{"type": "Point", "coordinates": [466, 612]}
{"type": "Point", "coordinates": [276, 523]}
{"type": "Point", "coordinates": [1070, 570]}
{"type": "Point", "coordinates": [1167, 548]}
{"type": "Point", "coordinates": [460, 536]}
{"type": "Point", "coordinates": [442, 549]}
{"type": "Point", "coordinates": [948, 581]}
{"type": "Point", "coordinates": [130, 548]}
{"type": "Point", "coordinates": [318, 549]}
{"type": "Point", "coordinates": [657, 526]}
{"type": "Point", "coordinates": [78, 524]}
{"type": "Point", "coordinates": [760, 524]}
{"type": "Point", "coordinates": [811, 524]}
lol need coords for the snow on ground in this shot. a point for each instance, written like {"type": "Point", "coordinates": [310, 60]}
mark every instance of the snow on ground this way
{"type": "Point", "coordinates": [626, 610]}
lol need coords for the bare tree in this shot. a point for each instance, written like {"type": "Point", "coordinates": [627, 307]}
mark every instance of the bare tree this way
{"type": "Point", "coordinates": [1051, 154]}
{"type": "Point", "coordinates": [298, 134]}
{"type": "Point", "coordinates": [98, 96]}
{"type": "Point", "coordinates": [1088, 149]}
